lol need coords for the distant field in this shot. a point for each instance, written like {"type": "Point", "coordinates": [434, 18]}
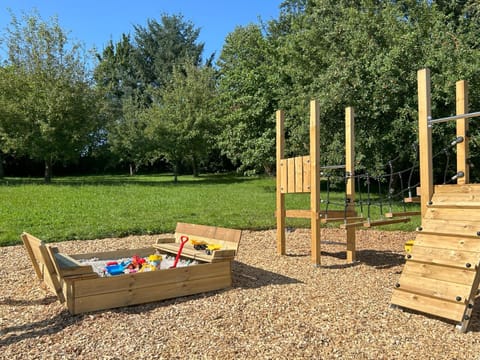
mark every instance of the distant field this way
{"type": "Point", "coordinates": [90, 207]}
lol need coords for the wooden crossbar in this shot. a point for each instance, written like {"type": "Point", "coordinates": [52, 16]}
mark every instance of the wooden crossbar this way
{"type": "Point", "coordinates": [402, 213]}
{"type": "Point", "coordinates": [340, 219]}
{"type": "Point", "coordinates": [415, 199]}
{"type": "Point", "coordinates": [385, 222]}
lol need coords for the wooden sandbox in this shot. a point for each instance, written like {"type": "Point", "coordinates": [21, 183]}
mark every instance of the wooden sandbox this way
{"type": "Point", "coordinates": [83, 289]}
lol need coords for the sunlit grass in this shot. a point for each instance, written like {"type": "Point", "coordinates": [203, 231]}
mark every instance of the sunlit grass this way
{"type": "Point", "coordinates": [91, 207]}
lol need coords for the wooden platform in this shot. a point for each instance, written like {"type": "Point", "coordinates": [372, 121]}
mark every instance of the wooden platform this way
{"type": "Point", "coordinates": [441, 274]}
{"type": "Point", "coordinates": [84, 290]}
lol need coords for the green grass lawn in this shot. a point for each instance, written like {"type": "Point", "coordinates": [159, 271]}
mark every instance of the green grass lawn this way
{"type": "Point", "coordinates": [91, 207]}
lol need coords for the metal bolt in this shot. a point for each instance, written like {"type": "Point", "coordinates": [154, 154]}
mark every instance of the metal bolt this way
{"type": "Point", "coordinates": [468, 265]}
{"type": "Point", "coordinates": [397, 285]}
{"type": "Point", "coordinates": [409, 256]}
{"type": "Point", "coordinates": [458, 298]}
{"type": "Point", "coordinates": [419, 228]}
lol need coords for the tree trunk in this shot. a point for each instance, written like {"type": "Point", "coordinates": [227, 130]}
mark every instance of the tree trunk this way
{"type": "Point", "coordinates": [132, 169]}
{"type": "Point", "coordinates": [2, 170]}
{"type": "Point", "coordinates": [175, 171]}
{"type": "Point", "coordinates": [48, 171]}
{"type": "Point", "coordinates": [194, 166]}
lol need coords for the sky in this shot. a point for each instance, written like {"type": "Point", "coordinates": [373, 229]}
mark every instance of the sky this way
{"type": "Point", "coordinates": [94, 23]}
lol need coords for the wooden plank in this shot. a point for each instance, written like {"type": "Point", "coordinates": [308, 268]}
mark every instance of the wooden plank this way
{"type": "Point", "coordinates": [402, 213]}
{"type": "Point", "coordinates": [44, 264]}
{"type": "Point", "coordinates": [115, 254]}
{"type": "Point", "coordinates": [291, 175]}
{"type": "Point", "coordinates": [283, 176]}
{"type": "Point", "coordinates": [439, 289]}
{"type": "Point", "coordinates": [456, 188]}
{"type": "Point", "coordinates": [150, 294]}
{"type": "Point", "coordinates": [315, 181]}
{"type": "Point", "coordinates": [351, 225]}
{"type": "Point", "coordinates": [461, 95]}
{"type": "Point", "coordinates": [228, 239]}
{"type": "Point", "coordinates": [448, 242]}
{"type": "Point", "coordinates": [306, 173]}
{"type": "Point", "coordinates": [442, 213]}
{"type": "Point", "coordinates": [299, 214]}
{"type": "Point", "coordinates": [415, 199]}
{"type": "Point", "coordinates": [455, 258]}
{"type": "Point", "coordinates": [385, 222]}
{"type": "Point", "coordinates": [189, 252]}
{"type": "Point", "coordinates": [66, 265]}
{"type": "Point", "coordinates": [350, 184]}
{"type": "Point", "coordinates": [299, 174]}
{"type": "Point", "coordinates": [450, 227]}
{"type": "Point", "coordinates": [281, 181]}
{"type": "Point", "coordinates": [330, 220]}
{"type": "Point", "coordinates": [429, 305]}
{"type": "Point", "coordinates": [114, 284]}
{"type": "Point", "coordinates": [439, 272]}
{"type": "Point", "coordinates": [425, 137]}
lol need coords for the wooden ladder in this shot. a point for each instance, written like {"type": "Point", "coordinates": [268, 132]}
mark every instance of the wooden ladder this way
{"type": "Point", "coordinates": [442, 272]}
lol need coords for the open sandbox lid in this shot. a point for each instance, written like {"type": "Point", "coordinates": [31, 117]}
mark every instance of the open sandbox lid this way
{"type": "Point", "coordinates": [205, 243]}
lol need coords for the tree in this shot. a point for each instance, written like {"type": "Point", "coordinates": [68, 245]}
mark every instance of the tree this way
{"type": "Point", "coordinates": [247, 96]}
{"type": "Point", "coordinates": [181, 121]}
{"type": "Point", "coordinates": [58, 105]}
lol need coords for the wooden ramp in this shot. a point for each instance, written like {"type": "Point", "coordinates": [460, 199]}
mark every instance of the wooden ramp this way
{"type": "Point", "coordinates": [441, 274]}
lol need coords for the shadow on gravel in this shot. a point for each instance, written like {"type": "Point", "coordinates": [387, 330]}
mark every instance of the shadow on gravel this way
{"type": "Point", "coordinates": [250, 277]}
{"type": "Point", "coordinates": [51, 325]}
{"type": "Point", "coordinates": [374, 258]}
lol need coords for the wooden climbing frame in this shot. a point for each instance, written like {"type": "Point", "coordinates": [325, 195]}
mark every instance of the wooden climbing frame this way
{"type": "Point", "coordinates": [301, 174]}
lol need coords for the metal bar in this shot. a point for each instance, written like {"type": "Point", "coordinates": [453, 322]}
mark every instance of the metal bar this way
{"type": "Point", "coordinates": [454, 117]}
{"type": "Point", "coordinates": [332, 167]}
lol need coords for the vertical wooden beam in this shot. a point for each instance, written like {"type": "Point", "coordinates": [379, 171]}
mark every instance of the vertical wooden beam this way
{"type": "Point", "coordinates": [425, 138]}
{"type": "Point", "coordinates": [350, 184]}
{"type": "Point", "coordinates": [280, 201]}
{"type": "Point", "coordinates": [462, 129]}
{"type": "Point", "coordinates": [315, 182]}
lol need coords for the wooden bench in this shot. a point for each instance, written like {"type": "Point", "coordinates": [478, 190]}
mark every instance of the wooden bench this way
{"type": "Point", "coordinates": [227, 239]}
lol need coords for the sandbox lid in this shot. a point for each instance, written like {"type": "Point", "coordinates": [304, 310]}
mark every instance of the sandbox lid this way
{"type": "Point", "coordinates": [227, 239]}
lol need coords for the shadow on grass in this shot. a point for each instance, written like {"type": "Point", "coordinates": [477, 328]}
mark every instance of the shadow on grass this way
{"type": "Point", "coordinates": [121, 180]}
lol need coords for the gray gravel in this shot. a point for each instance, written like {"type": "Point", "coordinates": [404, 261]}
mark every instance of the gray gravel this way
{"type": "Point", "coordinates": [280, 307]}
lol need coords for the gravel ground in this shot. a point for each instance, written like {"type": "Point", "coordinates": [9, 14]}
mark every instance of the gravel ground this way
{"type": "Point", "coordinates": [280, 307]}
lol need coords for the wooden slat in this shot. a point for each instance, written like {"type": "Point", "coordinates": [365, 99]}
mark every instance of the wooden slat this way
{"type": "Point", "coordinates": [115, 254]}
{"type": "Point", "coordinates": [66, 265]}
{"type": "Point", "coordinates": [444, 290]}
{"type": "Point", "coordinates": [232, 236]}
{"type": "Point", "coordinates": [457, 189]}
{"type": "Point", "coordinates": [330, 220]}
{"type": "Point", "coordinates": [412, 199]}
{"type": "Point", "coordinates": [447, 257]}
{"type": "Point", "coordinates": [402, 213]}
{"type": "Point", "coordinates": [338, 213]}
{"type": "Point", "coordinates": [453, 214]}
{"type": "Point", "coordinates": [189, 252]}
{"type": "Point", "coordinates": [385, 222]}
{"type": "Point", "coordinates": [439, 272]}
{"type": "Point", "coordinates": [306, 173]}
{"type": "Point", "coordinates": [43, 264]}
{"type": "Point", "coordinates": [429, 305]}
{"type": "Point", "coordinates": [448, 242]}
{"type": "Point", "coordinates": [283, 176]}
{"type": "Point", "coordinates": [450, 227]}
{"type": "Point", "coordinates": [291, 175]}
{"type": "Point", "coordinates": [298, 214]}
{"type": "Point", "coordinates": [298, 174]}
{"type": "Point", "coordinates": [351, 225]}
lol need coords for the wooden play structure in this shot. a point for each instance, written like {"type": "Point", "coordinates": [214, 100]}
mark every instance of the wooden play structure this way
{"type": "Point", "coordinates": [82, 289]}
{"type": "Point", "coordinates": [442, 272]}
{"type": "Point", "coordinates": [302, 175]}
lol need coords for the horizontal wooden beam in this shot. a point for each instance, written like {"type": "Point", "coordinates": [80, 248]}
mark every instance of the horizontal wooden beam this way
{"type": "Point", "coordinates": [402, 213]}
{"type": "Point", "coordinates": [385, 222]}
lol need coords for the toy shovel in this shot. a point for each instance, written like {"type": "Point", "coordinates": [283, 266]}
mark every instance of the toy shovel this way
{"type": "Point", "coordinates": [183, 240]}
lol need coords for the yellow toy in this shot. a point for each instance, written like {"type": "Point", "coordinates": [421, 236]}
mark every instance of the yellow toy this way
{"type": "Point", "coordinates": [409, 245]}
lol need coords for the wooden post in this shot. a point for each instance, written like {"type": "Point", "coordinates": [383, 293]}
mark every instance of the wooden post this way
{"type": "Point", "coordinates": [280, 204]}
{"type": "Point", "coordinates": [425, 138]}
{"type": "Point", "coordinates": [315, 179]}
{"type": "Point", "coordinates": [350, 183]}
{"type": "Point", "coordinates": [462, 129]}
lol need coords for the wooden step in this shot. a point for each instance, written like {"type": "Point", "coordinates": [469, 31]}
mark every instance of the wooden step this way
{"type": "Point", "coordinates": [451, 227]}
{"type": "Point", "coordinates": [440, 272]}
{"type": "Point", "coordinates": [439, 307]}
{"type": "Point", "coordinates": [446, 257]}
{"type": "Point", "coordinates": [402, 213]}
{"type": "Point", "coordinates": [385, 222]}
{"type": "Point", "coordinates": [449, 213]}
{"type": "Point", "coordinates": [448, 242]}
{"type": "Point", "coordinates": [456, 188]}
{"type": "Point", "coordinates": [444, 290]}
